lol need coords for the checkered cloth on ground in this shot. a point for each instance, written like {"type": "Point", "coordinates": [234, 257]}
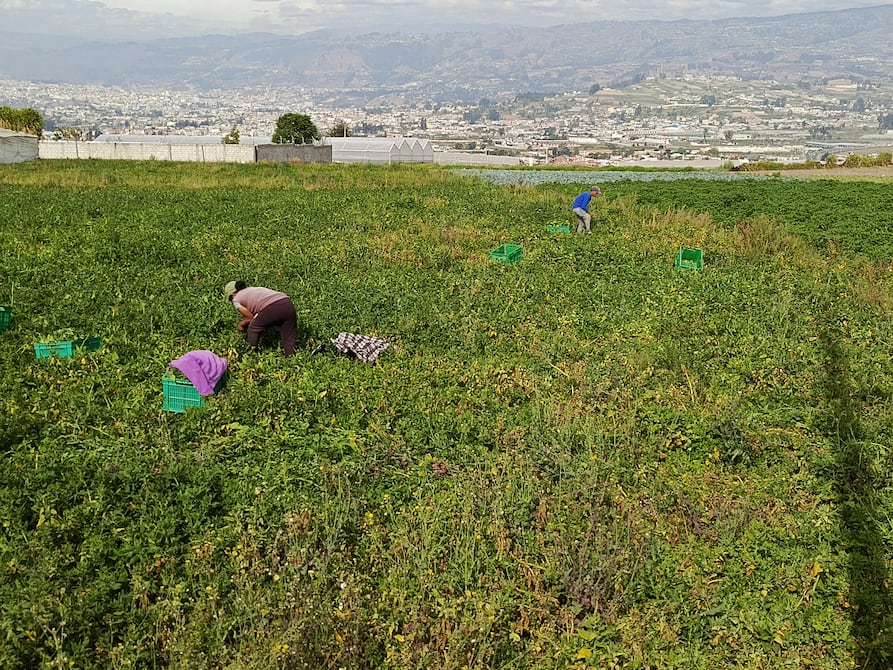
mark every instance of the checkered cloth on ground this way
{"type": "Point", "coordinates": [364, 347]}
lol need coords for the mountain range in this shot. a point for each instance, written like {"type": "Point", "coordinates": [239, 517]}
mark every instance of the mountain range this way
{"type": "Point", "coordinates": [468, 65]}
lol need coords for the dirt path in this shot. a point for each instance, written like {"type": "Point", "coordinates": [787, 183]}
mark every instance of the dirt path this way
{"type": "Point", "coordinates": [872, 173]}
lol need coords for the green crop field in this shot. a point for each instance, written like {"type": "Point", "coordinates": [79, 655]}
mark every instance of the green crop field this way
{"type": "Point", "coordinates": [588, 458]}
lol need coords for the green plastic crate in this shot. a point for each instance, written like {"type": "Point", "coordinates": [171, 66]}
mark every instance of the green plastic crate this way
{"type": "Point", "coordinates": [690, 259]}
{"type": "Point", "coordinates": [507, 253]}
{"type": "Point", "coordinates": [180, 394]}
{"type": "Point", "coordinates": [558, 228]}
{"type": "Point", "coordinates": [5, 316]}
{"type": "Point", "coordinates": [90, 343]}
{"type": "Point", "coordinates": [65, 348]}
{"type": "Point", "coordinates": [62, 349]}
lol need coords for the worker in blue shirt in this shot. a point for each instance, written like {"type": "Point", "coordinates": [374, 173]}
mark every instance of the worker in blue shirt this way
{"type": "Point", "coordinates": [581, 209]}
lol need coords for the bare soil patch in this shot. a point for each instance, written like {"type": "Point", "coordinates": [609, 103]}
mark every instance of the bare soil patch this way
{"type": "Point", "coordinates": [878, 172]}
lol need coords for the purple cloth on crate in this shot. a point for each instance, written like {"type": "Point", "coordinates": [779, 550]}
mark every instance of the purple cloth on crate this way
{"type": "Point", "coordinates": [203, 368]}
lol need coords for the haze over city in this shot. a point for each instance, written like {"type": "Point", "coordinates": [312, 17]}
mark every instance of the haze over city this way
{"type": "Point", "coordinates": [168, 18]}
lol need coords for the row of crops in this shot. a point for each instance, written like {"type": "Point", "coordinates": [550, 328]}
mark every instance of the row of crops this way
{"type": "Point", "coordinates": [588, 458]}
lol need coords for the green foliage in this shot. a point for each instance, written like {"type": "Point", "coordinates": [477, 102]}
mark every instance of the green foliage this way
{"type": "Point", "coordinates": [26, 120]}
{"type": "Point", "coordinates": [586, 459]}
{"type": "Point", "coordinates": [232, 137]}
{"type": "Point", "coordinates": [68, 133]}
{"type": "Point", "coordinates": [860, 223]}
{"type": "Point", "coordinates": [295, 129]}
{"type": "Point", "coordinates": [340, 129]}
{"type": "Point", "coordinates": [771, 166]}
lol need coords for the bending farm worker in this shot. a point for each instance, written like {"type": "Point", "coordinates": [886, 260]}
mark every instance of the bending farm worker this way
{"type": "Point", "coordinates": [264, 308]}
{"type": "Point", "coordinates": [581, 209]}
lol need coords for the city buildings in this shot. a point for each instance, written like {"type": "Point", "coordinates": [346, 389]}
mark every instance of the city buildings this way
{"type": "Point", "coordinates": [697, 117]}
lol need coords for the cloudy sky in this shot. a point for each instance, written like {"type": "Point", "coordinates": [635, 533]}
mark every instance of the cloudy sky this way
{"type": "Point", "coordinates": [171, 17]}
{"type": "Point", "coordinates": [324, 13]}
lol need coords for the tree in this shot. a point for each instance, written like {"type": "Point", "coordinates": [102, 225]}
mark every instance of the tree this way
{"type": "Point", "coordinates": [295, 129]}
{"type": "Point", "coordinates": [25, 120]}
{"type": "Point", "coordinates": [68, 133]}
{"type": "Point", "coordinates": [595, 88]}
{"type": "Point", "coordinates": [232, 137]}
{"type": "Point", "coordinates": [340, 129]}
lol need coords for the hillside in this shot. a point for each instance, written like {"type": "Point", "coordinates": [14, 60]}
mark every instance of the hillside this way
{"type": "Point", "coordinates": [589, 458]}
{"type": "Point", "coordinates": [495, 63]}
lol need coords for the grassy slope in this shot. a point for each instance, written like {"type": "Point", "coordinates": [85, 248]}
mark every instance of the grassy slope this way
{"type": "Point", "coordinates": [586, 459]}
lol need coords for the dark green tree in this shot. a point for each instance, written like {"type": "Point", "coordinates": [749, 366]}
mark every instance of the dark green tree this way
{"type": "Point", "coordinates": [232, 137]}
{"type": "Point", "coordinates": [340, 129]}
{"type": "Point", "coordinates": [295, 129]}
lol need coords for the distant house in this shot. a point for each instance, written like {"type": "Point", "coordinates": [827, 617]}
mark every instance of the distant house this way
{"type": "Point", "coordinates": [16, 147]}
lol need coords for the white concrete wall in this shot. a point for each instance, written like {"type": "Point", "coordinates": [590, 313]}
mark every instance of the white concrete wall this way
{"type": "Point", "coordinates": [203, 153]}
{"type": "Point", "coordinates": [241, 153]}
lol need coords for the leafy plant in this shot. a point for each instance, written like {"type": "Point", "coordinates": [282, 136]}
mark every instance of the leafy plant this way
{"type": "Point", "coordinates": [583, 459]}
{"type": "Point", "coordinates": [295, 129]}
